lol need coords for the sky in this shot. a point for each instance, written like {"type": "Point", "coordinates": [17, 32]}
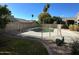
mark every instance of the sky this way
{"type": "Point", "coordinates": [25, 10]}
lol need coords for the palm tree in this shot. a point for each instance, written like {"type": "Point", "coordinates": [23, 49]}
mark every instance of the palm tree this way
{"type": "Point", "coordinates": [42, 16]}
{"type": "Point", "coordinates": [32, 16]}
{"type": "Point", "coordinates": [46, 7]}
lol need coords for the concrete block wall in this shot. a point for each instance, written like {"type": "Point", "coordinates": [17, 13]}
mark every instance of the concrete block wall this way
{"type": "Point", "coordinates": [18, 26]}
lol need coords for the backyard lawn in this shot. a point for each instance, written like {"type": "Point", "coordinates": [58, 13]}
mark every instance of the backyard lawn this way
{"type": "Point", "coordinates": [18, 46]}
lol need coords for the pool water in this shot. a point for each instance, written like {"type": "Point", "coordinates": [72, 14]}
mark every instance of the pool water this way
{"type": "Point", "coordinates": [48, 30]}
{"type": "Point", "coordinates": [44, 30]}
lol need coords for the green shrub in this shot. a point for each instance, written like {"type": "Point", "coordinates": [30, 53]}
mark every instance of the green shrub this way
{"type": "Point", "coordinates": [71, 27]}
{"type": "Point", "coordinates": [65, 26]}
{"type": "Point", "coordinates": [75, 27]}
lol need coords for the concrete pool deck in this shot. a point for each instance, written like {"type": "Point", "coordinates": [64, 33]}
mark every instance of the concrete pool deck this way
{"type": "Point", "coordinates": [69, 36]}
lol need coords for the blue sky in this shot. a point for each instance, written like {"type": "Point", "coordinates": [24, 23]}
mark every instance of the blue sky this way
{"type": "Point", "coordinates": [24, 10]}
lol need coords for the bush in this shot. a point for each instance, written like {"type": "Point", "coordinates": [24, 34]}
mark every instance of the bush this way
{"type": "Point", "coordinates": [78, 28]}
{"type": "Point", "coordinates": [65, 26]}
{"type": "Point", "coordinates": [71, 27]}
{"type": "Point", "coordinates": [75, 27]}
{"type": "Point", "coordinates": [75, 48]}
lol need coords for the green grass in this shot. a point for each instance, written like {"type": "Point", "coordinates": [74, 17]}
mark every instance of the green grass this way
{"type": "Point", "coordinates": [18, 46]}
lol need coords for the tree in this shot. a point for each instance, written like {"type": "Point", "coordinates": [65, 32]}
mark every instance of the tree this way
{"type": "Point", "coordinates": [44, 14]}
{"type": "Point", "coordinates": [48, 20]}
{"type": "Point", "coordinates": [42, 17]}
{"type": "Point", "coordinates": [32, 16]}
{"type": "Point", "coordinates": [5, 13]}
{"type": "Point", "coordinates": [46, 8]}
{"type": "Point", "coordinates": [57, 19]}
